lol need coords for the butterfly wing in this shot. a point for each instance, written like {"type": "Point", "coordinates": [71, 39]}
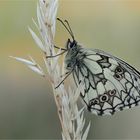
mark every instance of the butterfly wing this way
{"type": "Point", "coordinates": [110, 84]}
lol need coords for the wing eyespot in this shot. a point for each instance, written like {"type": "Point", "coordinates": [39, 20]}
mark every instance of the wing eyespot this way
{"type": "Point", "coordinates": [112, 92]}
{"type": "Point", "coordinates": [119, 70]}
{"type": "Point", "coordinates": [104, 98]}
{"type": "Point", "coordinates": [118, 76]}
{"type": "Point", "coordinates": [94, 102]}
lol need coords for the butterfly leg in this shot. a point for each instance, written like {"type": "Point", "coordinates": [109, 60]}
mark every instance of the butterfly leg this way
{"type": "Point", "coordinates": [68, 73]}
{"type": "Point", "coordinates": [59, 48]}
{"type": "Point", "coordinates": [51, 56]}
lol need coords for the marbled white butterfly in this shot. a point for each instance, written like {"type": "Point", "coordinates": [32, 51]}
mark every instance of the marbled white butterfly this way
{"type": "Point", "coordinates": [110, 84]}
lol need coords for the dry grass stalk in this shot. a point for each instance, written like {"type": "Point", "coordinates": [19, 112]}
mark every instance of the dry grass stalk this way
{"type": "Point", "coordinates": [72, 120]}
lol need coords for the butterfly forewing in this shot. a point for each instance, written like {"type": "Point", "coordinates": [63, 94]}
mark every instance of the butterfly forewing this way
{"type": "Point", "coordinates": [110, 84]}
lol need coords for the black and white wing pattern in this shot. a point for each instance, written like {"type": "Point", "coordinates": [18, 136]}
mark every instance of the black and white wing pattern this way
{"type": "Point", "coordinates": [110, 84]}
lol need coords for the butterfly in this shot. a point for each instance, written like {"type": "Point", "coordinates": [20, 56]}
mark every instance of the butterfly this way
{"type": "Point", "coordinates": [110, 84]}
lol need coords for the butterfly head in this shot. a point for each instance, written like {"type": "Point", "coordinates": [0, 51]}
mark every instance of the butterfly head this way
{"type": "Point", "coordinates": [71, 56]}
{"type": "Point", "coordinates": [71, 45]}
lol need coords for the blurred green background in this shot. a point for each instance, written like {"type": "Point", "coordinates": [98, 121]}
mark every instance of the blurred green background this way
{"type": "Point", "coordinates": [27, 108]}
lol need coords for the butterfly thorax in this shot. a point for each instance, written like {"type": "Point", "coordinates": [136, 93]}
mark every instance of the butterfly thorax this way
{"type": "Point", "coordinates": [74, 56]}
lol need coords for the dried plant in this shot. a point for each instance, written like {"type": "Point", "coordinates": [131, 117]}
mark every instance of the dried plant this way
{"type": "Point", "coordinates": [71, 118]}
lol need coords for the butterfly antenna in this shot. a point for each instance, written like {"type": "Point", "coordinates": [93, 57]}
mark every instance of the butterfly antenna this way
{"type": "Point", "coordinates": [70, 29]}
{"type": "Point", "coordinates": [67, 28]}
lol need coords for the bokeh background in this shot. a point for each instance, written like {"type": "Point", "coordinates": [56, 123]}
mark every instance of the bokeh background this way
{"type": "Point", "coordinates": [27, 108]}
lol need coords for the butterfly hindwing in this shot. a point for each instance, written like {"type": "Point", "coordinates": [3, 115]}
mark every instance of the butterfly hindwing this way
{"type": "Point", "coordinates": [110, 84]}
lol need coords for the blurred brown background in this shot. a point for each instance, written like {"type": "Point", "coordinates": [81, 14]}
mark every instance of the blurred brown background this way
{"type": "Point", "coordinates": [27, 108]}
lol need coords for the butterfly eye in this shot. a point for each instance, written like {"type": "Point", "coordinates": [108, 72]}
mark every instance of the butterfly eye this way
{"type": "Point", "coordinates": [69, 65]}
{"type": "Point", "coordinates": [71, 45]}
{"type": "Point", "coordinates": [112, 92]}
{"type": "Point", "coordinates": [104, 98]}
{"type": "Point", "coordinates": [119, 70]}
